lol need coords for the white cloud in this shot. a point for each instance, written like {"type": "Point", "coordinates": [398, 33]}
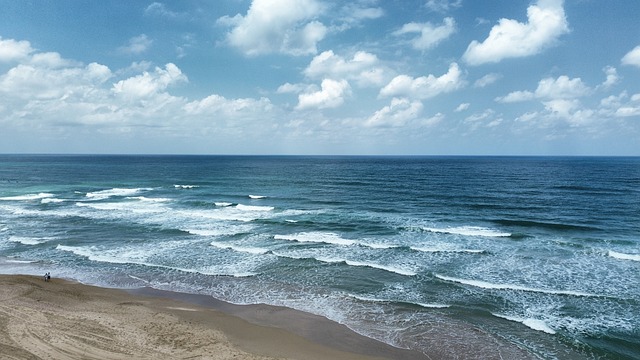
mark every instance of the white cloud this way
{"type": "Point", "coordinates": [331, 95]}
{"type": "Point", "coordinates": [397, 114]}
{"type": "Point", "coordinates": [363, 67]}
{"type": "Point", "coordinates": [487, 80]}
{"type": "Point", "coordinates": [277, 26]}
{"type": "Point", "coordinates": [12, 50]}
{"type": "Point", "coordinates": [287, 88]}
{"type": "Point", "coordinates": [549, 88]}
{"type": "Point", "coordinates": [632, 57]}
{"type": "Point", "coordinates": [429, 35]}
{"type": "Point", "coordinates": [612, 77]}
{"type": "Point", "coordinates": [148, 83]}
{"type": "Point", "coordinates": [513, 39]}
{"type": "Point", "coordinates": [219, 105]}
{"type": "Point", "coordinates": [443, 5]}
{"type": "Point", "coordinates": [425, 87]}
{"type": "Point", "coordinates": [353, 13]}
{"type": "Point", "coordinates": [462, 107]}
{"type": "Point", "coordinates": [137, 45]}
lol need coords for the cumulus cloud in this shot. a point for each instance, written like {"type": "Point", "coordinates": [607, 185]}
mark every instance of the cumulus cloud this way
{"type": "Point", "coordinates": [632, 57]}
{"type": "Point", "coordinates": [277, 26]}
{"type": "Point", "coordinates": [137, 45]}
{"type": "Point", "coordinates": [12, 50]}
{"type": "Point", "coordinates": [513, 39]}
{"type": "Point", "coordinates": [429, 35]}
{"type": "Point", "coordinates": [425, 87]}
{"type": "Point", "coordinates": [362, 67]}
{"type": "Point", "coordinates": [147, 83]}
{"type": "Point", "coordinates": [229, 108]}
{"type": "Point", "coordinates": [398, 113]}
{"type": "Point", "coordinates": [331, 95]}
{"type": "Point", "coordinates": [354, 13]}
{"type": "Point", "coordinates": [612, 77]}
{"type": "Point", "coordinates": [462, 107]}
{"type": "Point", "coordinates": [549, 88]}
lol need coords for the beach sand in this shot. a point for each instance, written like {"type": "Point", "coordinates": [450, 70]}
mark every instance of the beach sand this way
{"type": "Point", "coordinates": [66, 320]}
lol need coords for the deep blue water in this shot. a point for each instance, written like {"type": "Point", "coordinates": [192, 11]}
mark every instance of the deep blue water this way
{"type": "Point", "coordinates": [540, 252]}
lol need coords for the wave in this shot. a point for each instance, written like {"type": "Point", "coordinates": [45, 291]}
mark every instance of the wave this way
{"type": "Point", "coordinates": [543, 225]}
{"type": "Point", "coordinates": [492, 286]}
{"type": "Point", "coordinates": [222, 204]}
{"type": "Point", "coordinates": [377, 300]}
{"type": "Point", "coordinates": [623, 256]}
{"type": "Point", "coordinates": [51, 200]}
{"type": "Point", "coordinates": [185, 186]}
{"type": "Point", "coordinates": [316, 237]}
{"type": "Point", "coordinates": [105, 194]}
{"type": "Point", "coordinates": [243, 249]}
{"type": "Point", "coordinates": [28, 240]}
{"type": "Point", "coordinates": [469, 231]}
{"type": "Point", "coordinates": [255, 197]}
{"type": "Point", "coordinates": [121, 206]}
{"type": "Point", "coordinates": [91, 255]}
{"type": "Point", "coordinates": [436, 250]}
{"type": "Point", "coordinates": [27, 197]}
{"type": "Point", "coordinates": [254, 208]}
{"type": "Point", "coordinates": [379, 246]}
{"type": "Point", "coordinates": [387, 268]}
{"type": "Point", "coordinates": [534, 324]}
{"type": "Point", "coordinates": [146, 199]}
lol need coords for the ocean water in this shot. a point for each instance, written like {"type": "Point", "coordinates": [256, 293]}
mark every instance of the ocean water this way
{"type": "Point", "coordinates": [418, 252]}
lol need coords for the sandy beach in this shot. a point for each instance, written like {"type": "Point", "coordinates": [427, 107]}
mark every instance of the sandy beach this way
{"type": "Point", "coordinates": [61, 319]}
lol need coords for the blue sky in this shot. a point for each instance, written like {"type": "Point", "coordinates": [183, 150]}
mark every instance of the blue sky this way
{"type": "Point", "coordinates": [431, 77]}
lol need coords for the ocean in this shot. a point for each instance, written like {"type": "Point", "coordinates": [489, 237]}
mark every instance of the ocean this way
{"type": "Point", "coordinates": [418, 252]}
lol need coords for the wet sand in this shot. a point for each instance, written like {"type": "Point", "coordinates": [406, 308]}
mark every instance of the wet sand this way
{"type": "Point", "coordinates": [66, 320]}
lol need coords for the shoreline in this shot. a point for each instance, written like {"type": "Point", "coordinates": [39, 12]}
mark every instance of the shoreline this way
{"type": "Point", "coordinates": [65, 319]}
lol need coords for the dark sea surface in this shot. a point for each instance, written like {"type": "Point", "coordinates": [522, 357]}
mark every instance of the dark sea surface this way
{"type": "Point", "coordinates": [540, 252]}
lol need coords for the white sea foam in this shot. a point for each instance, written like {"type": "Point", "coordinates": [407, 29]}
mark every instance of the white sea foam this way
{"type": "Point", "coordinates": [4, 228]}
{"type": "Point", "coordinates": [105, 194]}
{"type": "Point", "coordinates": [254, 208]}
{"type": "Point", "coordinates": [433, 306]}
{"type": "Point", "coordinates": [316, 237]}
{"type": "Point", "coordinates": [623, 256]}
{"type": "Point", "coordinates": [12, 261]}
{"type": "Point", "coordinates": [146, 199]}
{"type": "Point", "coordinates": [257, 196]}
{"type": "Point", "coordinates": [223, 204]}
{"type": "Point", "coordinates": [387, 268]}
{"type": "Point", "coordinates": [492, 286]}
{"type": "Point", "coordinates": [28, 240]}
{"type": "Point", "coordinates": [534, 324]}
{"type": "Point", "coordinates": [291, 221]}
{"type": "Point", "coordinates": [51, 200]}
{"type": "Point", "coordinates": [436, 250]}
{"type": "Point", "coordinates": [469, 231]}
{"type": "Point", "coordinates": [27, 197]}
{"type": "Point", "coordinates": [185, 186]}
{"type": "Point", "coordinates": [244, 249]}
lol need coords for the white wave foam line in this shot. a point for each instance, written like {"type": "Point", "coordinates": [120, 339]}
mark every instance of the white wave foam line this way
{"type": "Point", "coordinates": [28, 240]}
{"type": "Point", "coordinates": [27, 197]}
{"type": "Point", "coordinates": [243, 249]}
{"type": "Point", "coordinates": [492, 286]}
{"type": "Point", "coordinates": [84, 252]}
{"type": "Point", "coordinates": [255, 197]}
{"type": "Point", "coordinates": [534, 324]}
{"type": "Point", "coordinates": [222, 204]}
{"type": "Point", "coordinates": [433, 306]}
{"type": "Point", "coordinates": [11, 261]}
{"type": "Point", "coordinates": [316, 237]}
{"type": "Point", "coordinates": [623, 256]}
{"type": "Point", "coordinates": [469, 231]}
{"type": "Point", "coordinates": [146, 199]}
{"type": "Point", "coordinates": [370, 265]}
{"type": "Point", "coordinates": [185, 186]}
{"type": "Point", "coordinates": [437, 250]}
{"type": "Point", "coordinates": [379, 246]}
{"type": "Point", "coordinates": [105, 194]}
{"type": "Point", "coordinates": [51, 200]}
{"type": "Point", "coordinates": [254, 208]}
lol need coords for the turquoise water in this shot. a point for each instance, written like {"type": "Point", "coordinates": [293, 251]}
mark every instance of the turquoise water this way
{"type": "Point", "coordinates": [542, 252]}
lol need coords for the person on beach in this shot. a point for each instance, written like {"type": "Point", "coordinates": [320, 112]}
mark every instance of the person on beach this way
{"type": "Point", "coordinates": [47, 277]}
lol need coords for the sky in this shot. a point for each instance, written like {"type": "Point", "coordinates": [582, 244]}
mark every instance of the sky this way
{"type": "Point", "coordinates": [320, 77]}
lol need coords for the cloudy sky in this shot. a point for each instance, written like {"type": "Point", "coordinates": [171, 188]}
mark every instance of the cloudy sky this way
{"type": "Point", "coordinates": [432, 77]}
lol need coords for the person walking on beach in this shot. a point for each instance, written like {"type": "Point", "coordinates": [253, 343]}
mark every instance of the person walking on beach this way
{"type": "Point", "coordinates": [47, 277]}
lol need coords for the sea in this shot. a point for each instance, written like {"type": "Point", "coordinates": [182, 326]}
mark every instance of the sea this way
{"type": "Point", "coordinates": [435, 254]}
